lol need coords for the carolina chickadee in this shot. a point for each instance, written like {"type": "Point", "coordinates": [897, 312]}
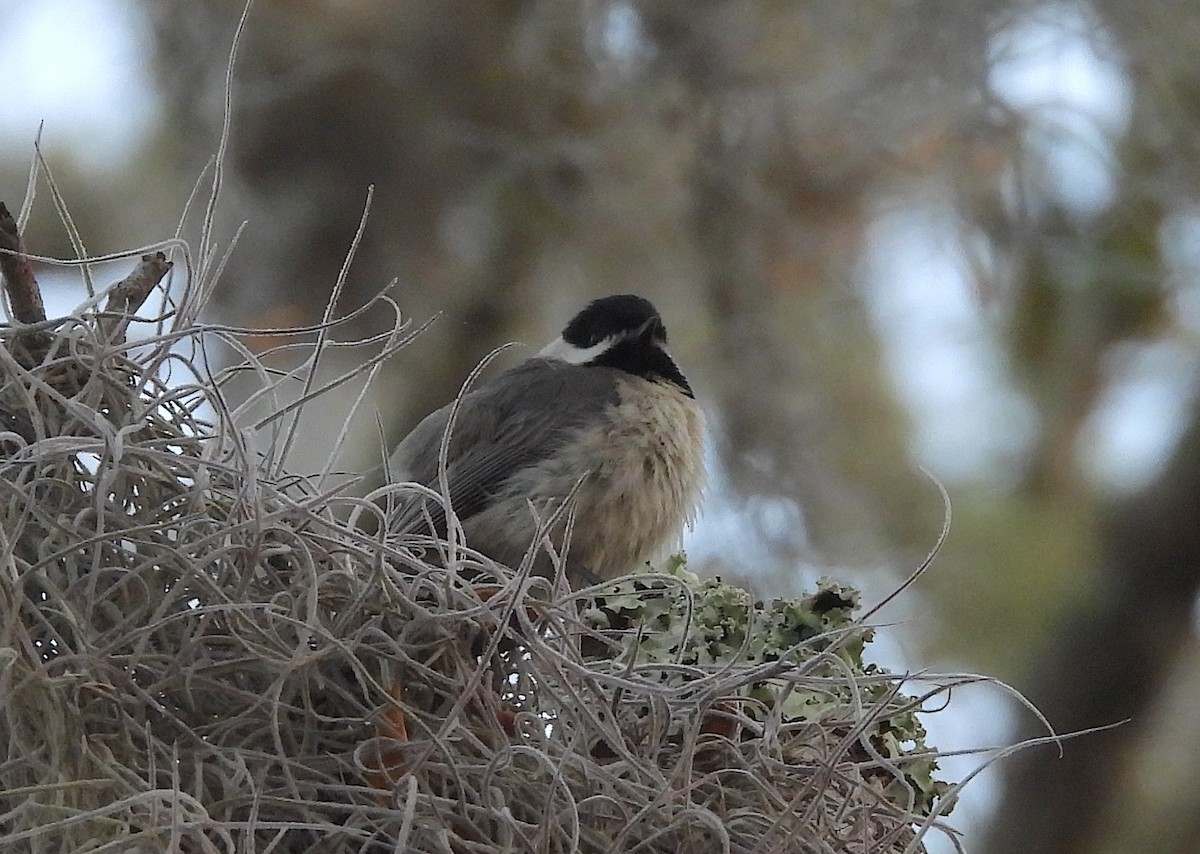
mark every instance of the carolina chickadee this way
{"type": "Point", "coordinates": [604, 407]}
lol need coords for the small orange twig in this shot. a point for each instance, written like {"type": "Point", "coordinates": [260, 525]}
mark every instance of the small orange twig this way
{"type": "Point", "coordinates": [392, 725]}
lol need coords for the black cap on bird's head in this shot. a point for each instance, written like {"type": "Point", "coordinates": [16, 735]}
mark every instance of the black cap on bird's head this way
{"type": "Point", "coordinates": [615, 317]}
{"type": "Point", "coordinates": [622, 331]}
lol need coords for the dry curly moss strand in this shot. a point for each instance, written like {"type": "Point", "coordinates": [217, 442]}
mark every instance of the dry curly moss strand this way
{"type": "Point", "coordinates": [198, 654]}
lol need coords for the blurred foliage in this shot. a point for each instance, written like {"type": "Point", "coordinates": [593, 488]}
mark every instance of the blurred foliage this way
{"type": "Point", "coordinates": [1026, 560]}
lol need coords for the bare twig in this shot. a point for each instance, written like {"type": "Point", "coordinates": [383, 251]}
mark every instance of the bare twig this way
{"type": "Point", "coordinates": [128, 295]}
{"type": "Point", "coordinates": [23, 292]}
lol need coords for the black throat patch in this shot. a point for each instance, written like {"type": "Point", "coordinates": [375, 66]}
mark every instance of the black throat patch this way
{"type": "Point", "coordinates": [644, 359]}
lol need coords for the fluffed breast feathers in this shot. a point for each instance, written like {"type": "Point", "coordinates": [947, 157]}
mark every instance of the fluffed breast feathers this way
{"type": "Point", "coordinates": [631, 447]}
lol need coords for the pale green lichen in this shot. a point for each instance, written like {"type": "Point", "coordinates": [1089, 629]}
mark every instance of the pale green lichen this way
{"type": "Point", "coordinates": [823, 686]}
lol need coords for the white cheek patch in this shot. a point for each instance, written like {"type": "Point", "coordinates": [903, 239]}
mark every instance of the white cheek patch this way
{"type": "Point", "coordinates": [560, 349]}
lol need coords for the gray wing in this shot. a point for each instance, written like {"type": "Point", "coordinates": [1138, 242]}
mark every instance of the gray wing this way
{"type": "Point", "coordinates": [519, 418]}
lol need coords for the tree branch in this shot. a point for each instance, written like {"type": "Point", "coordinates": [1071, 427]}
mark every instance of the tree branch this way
{"type": "Point", "coordinates": [23, 292]}
{"type": "Point", "coordinates": [127, 295]}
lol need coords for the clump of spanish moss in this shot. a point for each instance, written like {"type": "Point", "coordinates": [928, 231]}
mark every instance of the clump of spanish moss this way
{"type": "Point", "coordinates": [200, 654]}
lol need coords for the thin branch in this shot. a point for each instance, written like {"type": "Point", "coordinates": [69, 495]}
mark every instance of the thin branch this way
{"type": "Point", "coordinates": [127, 295]}
{"type": "Point", "coordinates": [21, 285]}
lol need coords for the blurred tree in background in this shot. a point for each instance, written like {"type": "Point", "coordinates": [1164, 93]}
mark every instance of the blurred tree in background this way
{"type": "Point", "coordinates": [963, 234]}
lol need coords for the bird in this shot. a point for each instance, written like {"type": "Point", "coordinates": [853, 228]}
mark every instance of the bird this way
{"type": "Point", "coordinates": [602, 416]}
